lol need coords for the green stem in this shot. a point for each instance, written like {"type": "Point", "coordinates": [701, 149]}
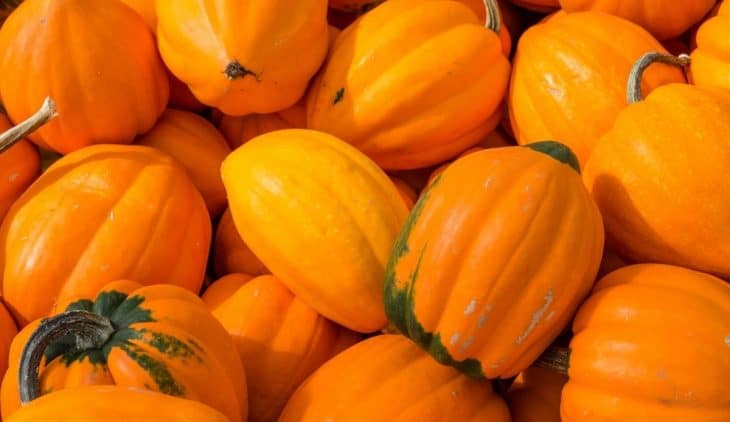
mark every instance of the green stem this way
{"type": "Point", "coordinates": [556, 359]}
{"type": "Point", "coordinates": [11, 136]}
{"type": "Point", "coordinates": [494, 18]}
{"type": "Point", "coordinates": [633, 88]}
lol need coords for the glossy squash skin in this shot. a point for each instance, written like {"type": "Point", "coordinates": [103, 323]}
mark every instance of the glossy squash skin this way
{"type": "Point", "coordinates": [105, 91]}
{"type": "Point", "coordinates": [569, 79]}
{"type": "Point", "coordinates": [231, 254]}
{"type": "Point", "coordinates": [279, 338]}
{"type": "Point", "coordinates": [252, 56]}
{"type": "Point", "coordinates": [655, 339]}
{"type": "Point", "coordinates": [164, 339]}
{"type": "Point", "coordinates": [659, 178]}
{"type": "Point", "coordinates": [478, 275]}
{"type": "Point", "coordinates": [198, 146]}
{"type": "Point", "coordinates": [388, 378]}
{"type": "Point", "coordinates": [102, 213]}
{"type": "Point", "coordinates": [240, 129]}
{"type": "Point", "coordinates": [374, 105]}
{"type": "Point", "coordinates": [323, 225]}
{"type": "Point", "coordinates": [535, 396]}
{"type": "Point", "coordinates": [116, 404]}
{"type": "Point", "coordinates": [711, 59]}
{"type": "Point", "coordinates": [19, 167]}
{"type": "Point", "coordinates": [664, 19]}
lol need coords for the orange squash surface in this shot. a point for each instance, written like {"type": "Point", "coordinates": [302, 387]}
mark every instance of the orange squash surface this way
{"type": "Point", "coordinates": [711, 59]}
{"type": "Point", "coordinates": [19, 167]}
{"type": "Point", "coordinates": [230, 253]}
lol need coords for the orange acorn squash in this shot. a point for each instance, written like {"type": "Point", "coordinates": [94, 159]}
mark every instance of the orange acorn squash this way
{"type": "Point", "coordinates": [240, 129]}
{"type": "Point", "coordinates": [478, 275]}
{"type": "Point", "coordinates": [198, 146]}
{"type": "Point", "coordinates": [160, 338]}
{"type": "Point", "coordinates": [389, 379]}
{"type": "Point", "coordinates": [434, 90]}
{"type": "Point", "coordinates": [535, 396]}
{"type": "Point", "coordinates": [230, 252]}
{"type": "Point", "coordinates": [106, 91]}
{"type": "Point", "coordinates": [651, 344]}
{"type": "Point", "coordinates": [569, 78]}
{"type": "Point", "coordinates": [279, 338]}
{"type": "Point", "coordinates": [251, 56]}
{"type": "Point", "coordinates": [321, 216]}
{"type": "Point", "coordinates": [102, 213]}
{"type": "Point", "coordinates": [661, 186]}
{"type": "Point", "coordinates": [664, 19]}
{"type": "Point", "coordinates": [711, 59]}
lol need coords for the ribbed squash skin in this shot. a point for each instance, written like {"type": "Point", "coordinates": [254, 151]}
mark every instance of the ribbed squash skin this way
{"type": "Point", "coordinates": [660, 179]}
{"type": "Point", "coordinates": [535, 396]}
{"type": "Point", "coordinates": [389, 379]}
{"type": "Point", "coordinates": [324, 225]}
{"type": "Point", "coordinates": [664, 19]}
{"type": "Point", "coordinates": [115, 404]}
{"type": "Point", "coordinates": [434, 90]}
{"type": "Point", "coordinates": [102, 213]}
{"type": "Point", "coordinates": [493, 260]}
{"type": "Point", "coordinates": [569, 78]}
{"type": "Point", "coordinates": [198, 146]}
{"type": "Point", "coordinates": [280, 339]}
{"type": "Point", "coordinates": [651, 344]}
{"type": "Point", "coordinates": [711, 59]}
{"type": "Point", "coordinates": [244, 56]}
{"type": "Point", "coordinates": [165, 340]}
{"type": "Point", "coordinates": [19, 166]}
{"type": "Point", "coordinates": [230, 254]}
{"type": "Point", "coordinates": [105, 91]}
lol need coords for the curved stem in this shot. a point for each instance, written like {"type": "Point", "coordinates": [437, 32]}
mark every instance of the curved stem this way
{"type": "Point", "coordinates": [494, 18]}
{"type": "Point", "coordinates": [40, 118]}
{"type": "Point", "coordinates": [89, 329]}
{"type": "Point", "coordinates": [633, 88]}
{"type": "Point", "coordinates": [556, 359]}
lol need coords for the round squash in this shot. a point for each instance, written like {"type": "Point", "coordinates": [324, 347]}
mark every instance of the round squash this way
{"type": "Point", "coordinates": [160, 338]}
{"type": "Point", "coordinates": [711, 59]}
{"type": "Point", "coordinates": [535, 396]}
{"type": "Point", "coordinates": [460, 69]}
{"type": "Point", "coordinates": [198, 146]}
{"type": "Point", "coordinates": [230, 252]}
{"type": "Point", "coordinates": [389, 379]}
{"type": "Point", "coordinates": [321, 216]}
{"type": "Point", "coordinates": [251, 56]}
{"type": "Point", "coordinates": [660, 176]}
{"type": "Point", "coordinates": [569, 78]}
{"type": "Point", "coordinates": [241, 129]}
{"type": "Point", "coordinates": [279, 338]}
{"type": "Point", "coordinates": [494, 259]}
{"type": "Point", "coordinates": [639, 341]}
{"type": "Point", "coordinates": [665, 19]}
{"type": "Point", "coordinates": [106, 91]}
{"type": "Point", "coordinates": [102, 213]}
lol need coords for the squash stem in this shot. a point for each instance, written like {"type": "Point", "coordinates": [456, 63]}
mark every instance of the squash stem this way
{"type": "Point", "coordinates": [494, 18]}
{"type": "Point", "coordinates": [633, 88]}
{"type": "Point", "coordinates": [89, 329]}
{"type": "Point", "coordinates": [556, 359]}
{"type": "Point", "coordinates": [11, 136]}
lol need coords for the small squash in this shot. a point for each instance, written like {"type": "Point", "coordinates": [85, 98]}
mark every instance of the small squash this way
{"type": "Point", "coordinates": [660, 175]}
{"type": "Point", "coordinates": [458, 64]}
{"type": "Point", "coordinates": [250, 56]}
{"type": "Point", "coordinates": [160, 338]}
{"type": "Point", "coordinates": [651, 344]}
{"type": "Point", "coordinates": [478, 275]}
{"type": "Point", "coordinates": [231, 254]}
{"type": "Point", "coordinates": [279, 338]}
{"type": "Point", "coordinates": [241, 129]}
{"type": "Point", "coordinates": [321, 216]}
{"type": "Point", "coordinates": [569, 78]}
{"type": "Point", "coordinates": [198, 146]}
{"type": "Point", "coordinates": [664, 19]}
{"type": "Point", "coordinates": [106, 91]}
{"type": "Point", "coordinates": [99, 214]}
{"type": "Point", "coordinates": [387, 378]}
{"type": "Point", "coordinates": [535, 396]}
{"type": "Point", "coordinates": [711, 59]}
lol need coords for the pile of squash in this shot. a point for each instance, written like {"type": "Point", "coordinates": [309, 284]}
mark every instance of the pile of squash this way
{"type": "Point", "coordinates": [401, 210]}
